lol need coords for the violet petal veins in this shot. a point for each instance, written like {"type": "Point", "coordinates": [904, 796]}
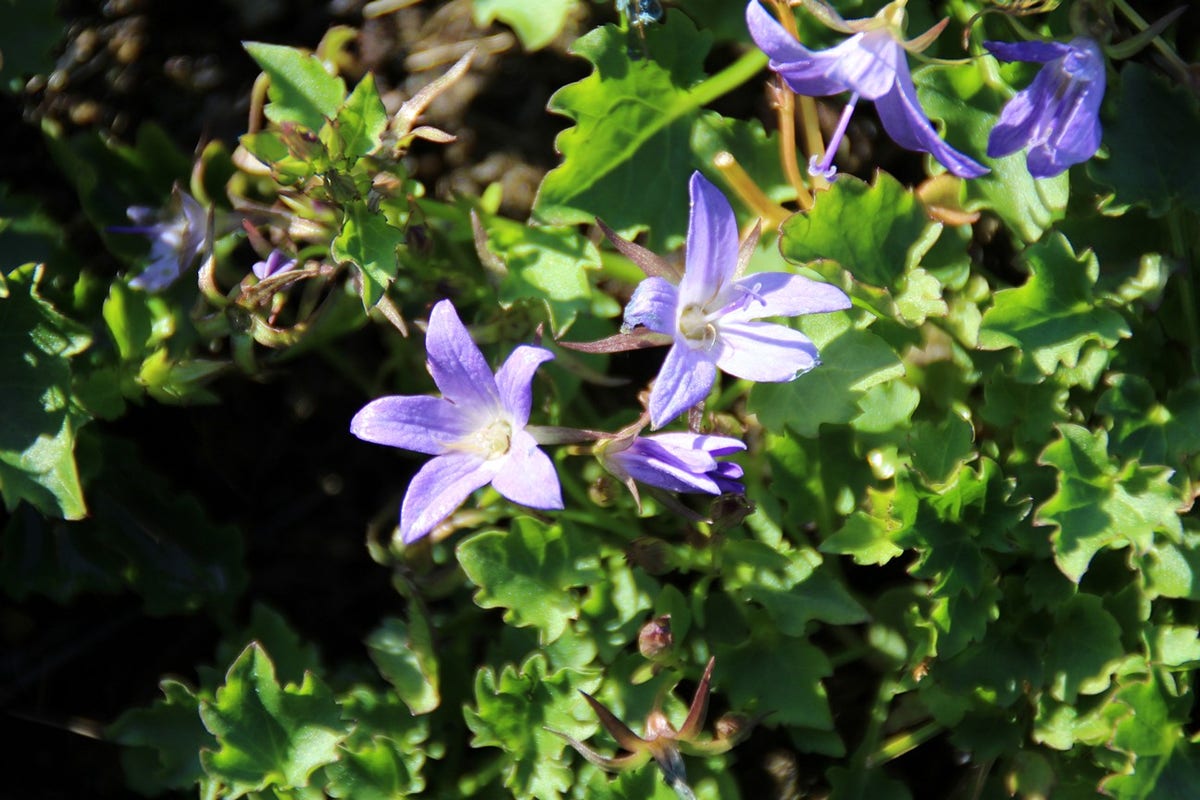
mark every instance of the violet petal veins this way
{"type": "Point", "coordinates": [1056, 119]}
{"type": "Point", "coordinates": [871, 64]}
{"type": "Point", "coordinates": [712, 314]}
{"type": "Point", "coordinates": [677, 462]}
{"type": "Point", "coordinates": [476, 430]}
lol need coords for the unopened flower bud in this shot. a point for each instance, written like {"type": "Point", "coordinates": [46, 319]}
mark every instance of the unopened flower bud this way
{"type": "Point", "coordinates": [655, 639]}
{"type": "Point", "coordinates": [652, 555]}
{"type": "Point", "coordinates": [732, 726]}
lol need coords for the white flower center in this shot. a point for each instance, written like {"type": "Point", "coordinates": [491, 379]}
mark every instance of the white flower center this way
{"type": "Point", "coordinates": [490, 441]}
{"type": "Point", "coordinates": [696, 326]}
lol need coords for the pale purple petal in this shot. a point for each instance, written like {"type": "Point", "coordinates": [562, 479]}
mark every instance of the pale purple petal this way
{"type": "Point", "coordinates": [276, 263]}
{"type": "Point", "coordinates": [806, 72]}
{"type": "Point", "coordinates": [527, 475]}
{"type": "Point", "coordinates": [680, 462]}
{"type": "Point", "coordinates": [457, 366]}
{"type": "Point", "coordinates": [163, 269]}
{"type": "Point", "coordinates": [764, 351]}
{"type": "Point", "coordinates": [514, 379]}
{"type": "Point", "coordinates": [440, 487]}
{"type": "Point", "coordinates": [1014, 129]}
{"type": "Point", "coordinates": [712, 243]}
{"type": "Point", "coordinates": [906, 122]}
{"type": "Point", "coordinates": [713, 445]}
{"type": "Point", "coordinates": [654, 305]}
{"type": "Point", "coordinates": [422, 424]}
{"type": "Point", "coordinates": [1035, 52]}
{"type": "Point", "coordinates": [780, 294]}
{"type": "Point", "coordinates": [685, 379]}
{"type": "Point", "coordinates": [868, 63]}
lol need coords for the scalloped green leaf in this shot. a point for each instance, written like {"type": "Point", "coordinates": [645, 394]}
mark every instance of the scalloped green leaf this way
{"type": "Point", "coordinates": [369, 241]}
{"type": "Point", "coordinates": [269, 735]}
{"type": "Point", "coordinates": [969, 103]}
{"type": "Point", "coordinates": [38, 427]}
{"type": "Point", "coordinates": [403, 651]}
{"type": "Point", "coordinates": [1054, 314]}
{"type": "Point", "coordinates": [386, 751]}
{"type": "Point", "coordinates": [1100, 504]}
{"type": "Point", "coordinates": [631, 144]}
{"type": "Point", "coordinates": [517, 710]}
{"type": "Point", "coordinates": [530, 570]}
{"type": "Point", "coordinates": [852, 362]}
{"type": "Point", "coordinates": [1084, 648]}
{"type": "Point", "coordinates": [1149, 139]}
{"type": "Point", "coordinates": [751, 677]}
{"type": "Point", "coordinates": [536, 22]}
{"type": "Point", "coordinates": [362, 119]}
{"type": "Point", "coordinates": [301, 89]}
{"type": "Point", "coordinates": [163, 742]}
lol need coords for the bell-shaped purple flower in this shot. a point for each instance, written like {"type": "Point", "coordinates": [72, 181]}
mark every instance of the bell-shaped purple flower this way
{"type": "Point", "coordinates": [176, 239]}
{"type": "Point", "coordinates": [677, 462]}
{"type": "Point", "coordinates": [476, 430]}
{"type": "Point", "coordinates": [713, 315]}
{"type": "Point", "coordinates": [1056, 119]}
{"type": "Point", "coordinates": [871, 64]}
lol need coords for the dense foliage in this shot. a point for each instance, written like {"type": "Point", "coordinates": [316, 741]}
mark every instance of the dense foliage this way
{"type": "Point", "coordinates": [952, 555]}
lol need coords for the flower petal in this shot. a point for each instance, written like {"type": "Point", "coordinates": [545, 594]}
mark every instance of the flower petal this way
{"type": "Point", "coordinates": [457, 366]}
{"type": "Point", "coordinates": [527, 475]}
{"type": "Point", "coordinates": [906, 122]}
{"type": "Point", "coordinates": [423, 424]}
{"type": "Point", "coordinates": [713, 445]}
{"type": "Point", "coordinates": [438, 488]}
{"type": "Point", "coordinates": [868, 63]}
{"type": "Point", "coordinates": [764, 351]}
{"type": "Point", "coordinates": [651, 463]}
{"type": "Point", "coordinates": [654, 304]}
{"type": "Point", "coordinates": [786, 295]}
{"type": "Point", "coordinates": [806, 72]}
{"type": "Point", "coordinates": [712, 243]}
{"type": "Point", "coordinates": [514, 379]}
{"type": "Point", "coordinates": [685, 379]}
{"type": "Point", "coordinates": [1036, 52]}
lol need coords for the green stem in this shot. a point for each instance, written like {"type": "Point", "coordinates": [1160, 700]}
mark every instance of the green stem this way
{"type": "Point", "coordinates": [861, 762]}
{"type": "Point", "coordinates": [902, 743]}
{"type": "Point", "coordinates": [1140, 23]}
{"type": "Point", "coordinates": [728, 79]}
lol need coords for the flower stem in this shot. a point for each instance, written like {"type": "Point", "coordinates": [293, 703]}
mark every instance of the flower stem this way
{"type": "Point", "coordinates": [728, 79]}
{"type": "Point", "coordinates": [785, 105]}
{"type": "Point", "coordinates": [813, 143]}
{"type": "Point", "coordinates": [748, 191]}
{"type": "Point", "coordinates": [1177, 63]}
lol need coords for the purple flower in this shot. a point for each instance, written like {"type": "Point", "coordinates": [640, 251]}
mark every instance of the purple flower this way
{"type": "Point", "coordinates": [476, 431]}
{"type": "Point", "coordinates": [277, 262]}
{"type": "Point", "coordinates": [176, 240]}
{"type": "Point", "coordinates": [872, 64]}
{"type": "Point", "coordinates": [711, 316]}
{"type": "Point", "coordinates": [1056, 119]}
{"type": "Point", "coordinates": [677, 462]}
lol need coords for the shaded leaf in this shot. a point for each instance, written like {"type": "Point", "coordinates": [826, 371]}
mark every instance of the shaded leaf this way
{"type": "Point", "coordinates": [301, 90]}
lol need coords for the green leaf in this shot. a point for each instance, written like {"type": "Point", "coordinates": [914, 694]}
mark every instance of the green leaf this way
{"type": "Point", "coordinates": [548, 265]}
{"type": "Point", "coordinates": [939, 449]}
{"type": "Point", "coordinates": [516, 712]}
{"type": "Point", "coordinates": [1083, 649]}
{"type": "Point", "coordinates": [301, 89]}
{"type": "Point", "coordinates": [1054, 314]}
{"type": "Point", "coordinates": [362, 120]}
{"type": "Point", "coordinates": [1151, 431]}
{"type": "Point", "coordinates": [1151, 161]}
{"type": "Point", "coordinates": [530, 570]}
{"type": "Point", "coordinates": [852, 361]}
{"type": "Point", "coordinates": [404, 654]}
{"type": "Point", "coordinates": [750, 675]}
{"type": "Point", "coordinates": [368, 241]}
{"type": "Point", "coordinates": [536, 22]}
{"type": "Point", "coordinates": [631, 144]}
{"type": "Point", "coordinates": [163, 742]}
{"type": "Point", "coordinates": [869, 536]}
{"type": "Point", "coordinates": [269, 735]}
{"type": "Point", "coordinates": [890, 231]}
{"type": "Point", "coordinates": [1099, 504]}
{"type": "Point", "coordinates": [385, 753]}
{"type": "Point", "coordinates": [967, 99]}
{"type": "Point", "coordinates": [37, 429]}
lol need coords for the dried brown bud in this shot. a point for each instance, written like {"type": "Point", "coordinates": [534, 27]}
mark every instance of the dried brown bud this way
{"type": "Point", "coordinates": [655, 639]}
{"type": "Point", "coordinates": [732, 726]}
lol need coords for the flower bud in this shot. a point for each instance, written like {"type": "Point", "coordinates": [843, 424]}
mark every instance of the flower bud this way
{"type": "Point", "coordinates": [655, 639]}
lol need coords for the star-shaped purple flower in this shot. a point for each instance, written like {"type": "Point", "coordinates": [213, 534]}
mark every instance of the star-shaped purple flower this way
{"type": "Point", "coordinates": [712, 315]}
{"type": "Point", "coordinates": [677, 461]}
{"type": "Point", "coordinates": [275, 264]}
{"type": "Point", "coordinates": [1056, 119]}
{"type": "Point", "coordinates": [871, 64]}
{"type": "Point", "coordinates": [476, 430]}
{"type": "Point", "coordinates": [176, 239]}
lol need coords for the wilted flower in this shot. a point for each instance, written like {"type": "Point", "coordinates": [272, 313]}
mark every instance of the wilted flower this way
{"type": "Point", "coordinates": [476, 430]}
{"type": "Point", "coordinates": [176, 239]}
{"type": "Point", "coordinates": [677, 462]}
{"type": "Point", "coordinates": [276, 263]}
{"type": "Point", "coordinates": [872, 64]}
{"type": "Point", "coordinates": [1056, 119]}
{"type": "Point", "coordinates": [712, 315]}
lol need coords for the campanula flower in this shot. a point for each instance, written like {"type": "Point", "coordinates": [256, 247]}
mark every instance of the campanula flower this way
{"type": "Point", "coordinates": [176, 239]}
{"type": "Point", "coordinates": [276, 263]}
{"type": "Point", "coordinates": [677, 462]}
{"type": "Point", "coordinates": [1056, 119]}
{"type": "Point", "coordinates": [476, 430]}
{"type": "Point", "coordinates": [712, 315]}
{"type": "Point", "coordinates": [871, 64]}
